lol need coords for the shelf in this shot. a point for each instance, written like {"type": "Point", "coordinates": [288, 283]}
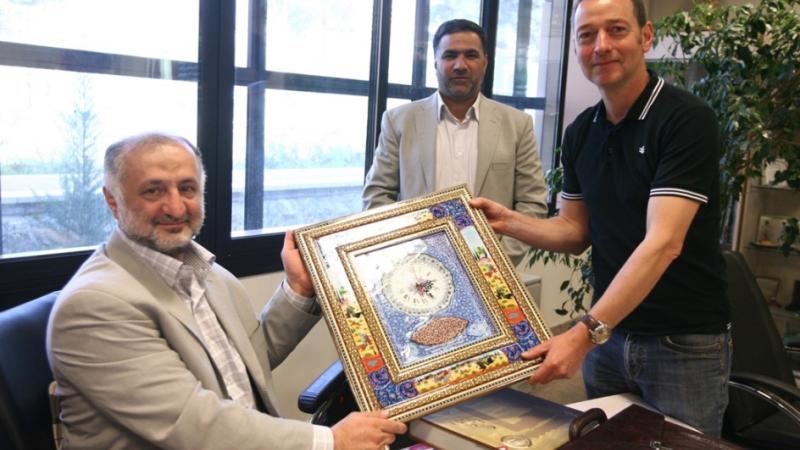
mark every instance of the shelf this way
{"type": "Point", "coordinates": [773, 188]}
{"type": "Point", "coordinates": [770, 249]}
{"type": "Point", "coordinates": [768, 261]}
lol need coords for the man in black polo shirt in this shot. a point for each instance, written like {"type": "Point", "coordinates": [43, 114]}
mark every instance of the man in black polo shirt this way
{"type": "Point", "coordinates": [641, 186]}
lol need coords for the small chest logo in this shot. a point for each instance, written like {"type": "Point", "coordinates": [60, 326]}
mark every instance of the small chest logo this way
{"type": "Point", "coordinates": [642, 149]}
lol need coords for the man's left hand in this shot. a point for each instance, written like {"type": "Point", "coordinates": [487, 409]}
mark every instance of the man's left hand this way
{"type": "Point", "coordinates": [563, 355]}
{"type": "Point", "coordinates": [296, 273]}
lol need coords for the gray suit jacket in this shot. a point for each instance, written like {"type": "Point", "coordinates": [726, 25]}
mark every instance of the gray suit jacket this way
{"type": "Point", "coordinates": [133, 371]}
{"type": "Point", "coordinates": [508, 168]}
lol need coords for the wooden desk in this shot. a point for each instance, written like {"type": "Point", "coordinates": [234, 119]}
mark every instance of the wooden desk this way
{"type": "Point", "coordinates": [613, 404]}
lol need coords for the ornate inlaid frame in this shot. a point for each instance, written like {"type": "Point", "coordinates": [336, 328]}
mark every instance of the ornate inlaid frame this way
{"type": "Point", "coordinates": [424, 307]}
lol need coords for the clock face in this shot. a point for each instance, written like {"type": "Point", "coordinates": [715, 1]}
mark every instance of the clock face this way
{"type": "Point", "coordinates": [419, 285]}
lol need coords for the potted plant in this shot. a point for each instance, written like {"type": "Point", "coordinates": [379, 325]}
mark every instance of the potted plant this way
{"type": "Point", "coordinates": [750, 58]}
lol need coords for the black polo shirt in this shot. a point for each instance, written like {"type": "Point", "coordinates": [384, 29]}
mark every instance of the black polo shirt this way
{"type": "Point", "coordinates": [667, 145]}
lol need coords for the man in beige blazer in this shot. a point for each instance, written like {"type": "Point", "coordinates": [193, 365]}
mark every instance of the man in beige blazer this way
{"type": "Point", "coordinates": [153, 345]}
{"type": "Point", "coordinates": [458, 136]}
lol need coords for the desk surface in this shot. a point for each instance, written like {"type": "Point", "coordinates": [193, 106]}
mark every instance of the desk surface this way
{"type": "Point", "coordinates": [613, 404]}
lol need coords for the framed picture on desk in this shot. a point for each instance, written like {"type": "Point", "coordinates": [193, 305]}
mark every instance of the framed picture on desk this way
{"type": "Point", "coordinates": [424, 306]}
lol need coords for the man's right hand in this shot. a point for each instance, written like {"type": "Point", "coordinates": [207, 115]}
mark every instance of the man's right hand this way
{"type": "Point", "coordinates": [296, 273]}
{"type": "Point", "coordinates": [367, 431]}
{"type": "Point", "coordinates": [497, 214]}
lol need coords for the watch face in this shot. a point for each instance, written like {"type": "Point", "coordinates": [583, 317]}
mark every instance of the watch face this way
{"type": "Point", "coordinates": [601, 334]}
{"type": "Point", "coordinates": [419, 285]}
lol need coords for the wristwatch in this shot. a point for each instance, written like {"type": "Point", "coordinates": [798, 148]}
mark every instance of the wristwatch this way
{"type": "Point", "coordinates": [599, 331]}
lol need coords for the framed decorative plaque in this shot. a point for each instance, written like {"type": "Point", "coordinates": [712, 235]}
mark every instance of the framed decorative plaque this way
{"type": "Point", "coordinates": [424, 307]}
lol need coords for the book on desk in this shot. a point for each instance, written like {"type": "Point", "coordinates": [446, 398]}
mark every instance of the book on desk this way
{"type": "Point", "coordinates": [504, 419]}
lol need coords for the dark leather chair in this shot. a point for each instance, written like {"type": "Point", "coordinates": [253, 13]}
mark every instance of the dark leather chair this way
{"type": "Point", "coordinates": [764, 409]}
{"type": "Point", "coordinates": [25, 418]}
{"type": "Point", "coordinates": [328, 398]}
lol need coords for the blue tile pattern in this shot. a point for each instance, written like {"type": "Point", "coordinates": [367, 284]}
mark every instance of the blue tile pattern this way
{"type": "Point", "coordinates": [465, 303]}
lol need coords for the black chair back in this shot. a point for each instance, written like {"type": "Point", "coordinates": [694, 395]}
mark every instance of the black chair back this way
{"type": "Point", "coordinates": [758, 351]}
{"type": "Point", "coordinates": [25, 421]}
{"type": "Point", "coordinates": [757, 346]}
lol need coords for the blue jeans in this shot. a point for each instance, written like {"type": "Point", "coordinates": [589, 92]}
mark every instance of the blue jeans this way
{"type": "Point", "coordinates": [684, 376]}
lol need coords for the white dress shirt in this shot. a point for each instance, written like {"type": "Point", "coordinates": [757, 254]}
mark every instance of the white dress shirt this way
{"type": "Point", "coordinates": [456, 146]}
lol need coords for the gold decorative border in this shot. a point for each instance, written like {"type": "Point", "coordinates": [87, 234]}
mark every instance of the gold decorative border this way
{"type": "Point", "coordinates": [428, 401]}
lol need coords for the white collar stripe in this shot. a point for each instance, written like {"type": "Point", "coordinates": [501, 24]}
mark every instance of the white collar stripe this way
{"type": "Point", "coordinates": [679, 193]}
{"type": "Point", "coordinates": [652, 99]}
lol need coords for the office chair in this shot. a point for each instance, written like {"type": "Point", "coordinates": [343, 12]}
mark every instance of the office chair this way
{"type": "Point", "coordinates": [764, 409]}
{"type": "Point", "coordinates": [328, 398]}
{"type": "Point", "coordinates": [25, 415]}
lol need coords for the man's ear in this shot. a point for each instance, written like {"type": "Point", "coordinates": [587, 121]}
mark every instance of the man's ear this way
{"type": "Point", "coordinates": [648, 32]}
{"type": "Point", "coordinates": [110, 201]}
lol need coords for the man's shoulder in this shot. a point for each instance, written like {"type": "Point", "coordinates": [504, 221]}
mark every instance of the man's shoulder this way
{"type": "Point", "coordinates": [410, 107]}
{"type": "Point", "coordinates": [583, 119]}
{"type": "Point", "coordinates": [679, 100]}
{"type": "Point", "coordinates": [99, 273]}
{"type": "Point", "coordinates": [98, 280]}
{"type": "Point", "coordinates": [493, 106]}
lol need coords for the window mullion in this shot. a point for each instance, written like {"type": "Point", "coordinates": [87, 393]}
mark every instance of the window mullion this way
{"type": "Point", "coordinates": [254, 159]}
{"type": "Point", "coordinates": [523, 39]}
{"type": "Point", "coordinates": [420, 48]}
{"type": "Point", "coordinates": [379, 74]}
{"type": "Point", "coordinates": [215, 113]}
{"type": "Point", "coordinates": [489, 12]}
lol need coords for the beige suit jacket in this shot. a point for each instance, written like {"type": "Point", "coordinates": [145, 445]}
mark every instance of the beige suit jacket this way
{"type": "Point", "coordinates": [133, 371]}
{"type": "Point", "coordinates": [508, 168]}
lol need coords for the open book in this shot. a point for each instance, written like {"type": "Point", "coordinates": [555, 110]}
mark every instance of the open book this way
{"type": "Point", "coordinates": [505, 419]}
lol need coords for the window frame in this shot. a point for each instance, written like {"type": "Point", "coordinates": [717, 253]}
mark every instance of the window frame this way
{"type": "Point", "coordinates": [26, 277]}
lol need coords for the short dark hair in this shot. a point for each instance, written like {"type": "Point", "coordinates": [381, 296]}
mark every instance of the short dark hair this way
{"type": "Point", "coordinates": [456, 26]}
{"type": "Point", "coordinates": [639, 11]}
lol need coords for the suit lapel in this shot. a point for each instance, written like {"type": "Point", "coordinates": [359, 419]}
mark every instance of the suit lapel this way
{"type": "Point", "coordinates": [488, 133]}
{"type": "Point", "coordinates": [121, 253]}
{"type": "Point", "coordinates": [229, 319]}
{"type": "Point", "coordinates": [427, 119]}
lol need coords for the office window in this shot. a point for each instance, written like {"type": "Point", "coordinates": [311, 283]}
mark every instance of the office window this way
{"type": "Point", "coordinates": [313, 159]}
{"type": "Point", "coordinates": [411, 56]}
{"type": "Point", "coordinates": [69, 92]}
{"type": "Point", "coordinates": [441, 11]}
{"type": "Point", "coordinates": [527, 63]}
{"type": "Point", "coordinates": [299, 127]}
{"type": "Point", "coordinates": [147, 28]}
{"type": "Point", "coordinates": [328, 38]}
{"type": "Point", "coordinates": [283, 97]}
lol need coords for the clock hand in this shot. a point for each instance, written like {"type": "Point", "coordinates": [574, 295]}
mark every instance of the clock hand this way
{"type": "Point", "coordinates": [414, 271]}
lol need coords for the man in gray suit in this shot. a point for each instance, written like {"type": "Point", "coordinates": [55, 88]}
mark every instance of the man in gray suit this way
{"type": "Point", "coordinates": [458, 136]}
{"type": "Point", "coordinates": [153, 345]}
